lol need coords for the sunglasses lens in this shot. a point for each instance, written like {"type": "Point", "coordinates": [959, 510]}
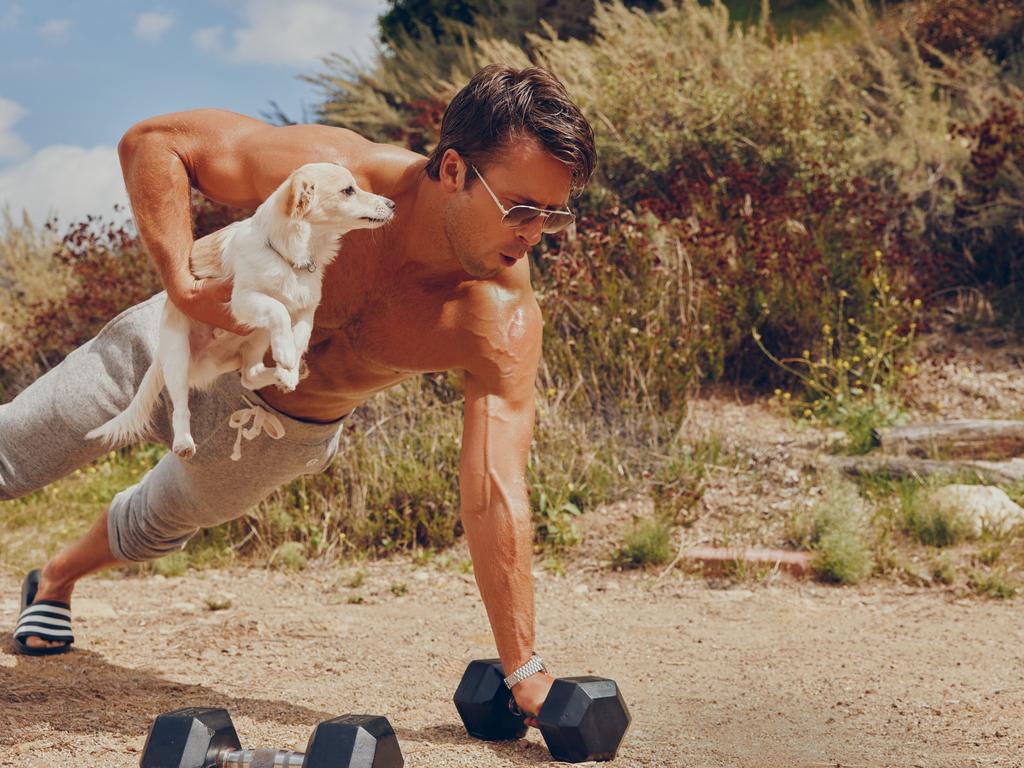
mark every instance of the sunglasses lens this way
{"type": "Point", "coordinates": [557, 221]}
{"type": "Point", "coordinates": [521, 216]}
{"type": "Point", "coordinates": [525, 215]}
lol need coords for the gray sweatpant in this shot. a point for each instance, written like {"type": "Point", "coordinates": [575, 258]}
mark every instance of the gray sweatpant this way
{"type": "Point", "coordinates": [42, 438]}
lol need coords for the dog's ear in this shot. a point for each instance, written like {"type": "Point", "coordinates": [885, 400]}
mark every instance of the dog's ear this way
{"type": "Point", "coordinates": [300, 196]}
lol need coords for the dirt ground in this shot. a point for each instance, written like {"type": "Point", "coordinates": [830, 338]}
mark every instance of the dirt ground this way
{"type": "Point", "coordinates": [779, 674]}
{"type": "Point", "coordinates": [773, 672]}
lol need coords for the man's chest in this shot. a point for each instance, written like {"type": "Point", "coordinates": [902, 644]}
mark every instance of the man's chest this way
{"type": "Point", "coordinates": [381, 330]}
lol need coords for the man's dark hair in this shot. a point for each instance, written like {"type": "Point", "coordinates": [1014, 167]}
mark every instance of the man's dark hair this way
{"type": "Point", "coordinates": [501, 104]}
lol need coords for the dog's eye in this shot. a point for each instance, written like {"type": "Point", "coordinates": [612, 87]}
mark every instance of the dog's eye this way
{"type": "Point", "coordinates": [349, 191]}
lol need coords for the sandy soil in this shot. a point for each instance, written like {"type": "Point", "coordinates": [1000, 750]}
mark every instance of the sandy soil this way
{"type": "Point", "coordinates": [779, 674]}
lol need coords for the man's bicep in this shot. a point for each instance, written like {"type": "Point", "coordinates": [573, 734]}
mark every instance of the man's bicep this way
{"type": "Point", "coordinates": [211, 144]}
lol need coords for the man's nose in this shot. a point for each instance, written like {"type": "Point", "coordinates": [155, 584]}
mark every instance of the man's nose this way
{"type": "Point", "coordinates": [531, 233]}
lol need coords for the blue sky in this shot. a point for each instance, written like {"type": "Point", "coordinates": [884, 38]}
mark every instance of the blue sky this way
{"type": "Point", "coordinates": [74, 76]}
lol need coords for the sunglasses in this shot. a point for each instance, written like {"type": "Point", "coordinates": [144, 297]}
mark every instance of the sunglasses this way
{"type": "Point", "coordinates": [524, 215]}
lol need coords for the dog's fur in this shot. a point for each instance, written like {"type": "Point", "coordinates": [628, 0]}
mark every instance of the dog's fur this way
{"type": "Point", "coordinates": [276, 259]}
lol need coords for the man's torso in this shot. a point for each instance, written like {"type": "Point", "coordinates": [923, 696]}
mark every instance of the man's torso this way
{"type": "Point", "coordinates": [380, 321]}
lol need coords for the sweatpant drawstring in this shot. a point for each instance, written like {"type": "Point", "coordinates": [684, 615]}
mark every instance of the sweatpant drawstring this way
{"type": "Point", "coordinates": [262, 421]}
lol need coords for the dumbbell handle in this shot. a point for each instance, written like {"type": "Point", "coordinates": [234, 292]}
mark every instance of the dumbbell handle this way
{"type": "Point", "coordinates": [259, 758]}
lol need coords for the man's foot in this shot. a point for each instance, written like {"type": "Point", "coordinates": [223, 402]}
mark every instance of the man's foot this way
{"type": "Point", "coordinates": [44, 626]}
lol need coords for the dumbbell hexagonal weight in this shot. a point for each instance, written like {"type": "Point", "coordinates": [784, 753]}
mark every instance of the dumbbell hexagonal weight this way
{"type": "Point", "coordinates": [583, 718]}
{"type": "Point", "coordinates": [205, 738]}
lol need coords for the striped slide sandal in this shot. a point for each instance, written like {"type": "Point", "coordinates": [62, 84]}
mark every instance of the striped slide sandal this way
{"type": "Point", "coordinates": [46, 619]}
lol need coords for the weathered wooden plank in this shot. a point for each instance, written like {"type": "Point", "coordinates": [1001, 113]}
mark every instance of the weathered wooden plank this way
{"type": "Point", "coordinates": [963, 438]}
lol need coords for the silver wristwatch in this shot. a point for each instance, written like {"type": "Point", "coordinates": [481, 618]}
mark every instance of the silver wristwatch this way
{"type": "Point", "coordinates": [531, 667]}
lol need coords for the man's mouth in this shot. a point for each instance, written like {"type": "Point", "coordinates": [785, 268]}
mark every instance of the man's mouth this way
{"type": "Point", "coordinates": [508, 261]}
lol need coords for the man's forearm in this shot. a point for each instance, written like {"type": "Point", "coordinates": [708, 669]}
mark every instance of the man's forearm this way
{"type": "Point", "coordinates": [160, 193]}
{"type": "Point", "coordinates": [501, 545]}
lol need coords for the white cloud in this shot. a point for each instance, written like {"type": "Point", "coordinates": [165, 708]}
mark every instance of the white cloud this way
{"type": "Point", "coordinates": [12, 146]}
{"type": "Point", "coordinates": [209, 39]}
{"type": "Point", "coordinates": [302, 32]}
{"type": "Point", "coordinates": [151, 26]}
{"type": "Point", "coordinates": [9, 16]}
{"type": "Point", "coordinates": [71, 182]}
{"type": "Point", "coordinates": [56, 30]}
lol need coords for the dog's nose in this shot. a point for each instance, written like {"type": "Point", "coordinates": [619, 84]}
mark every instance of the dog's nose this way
{"type": "Point", "coordinates": [390, 203]}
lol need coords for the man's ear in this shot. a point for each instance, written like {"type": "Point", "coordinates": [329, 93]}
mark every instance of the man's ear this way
{"type": "Point", "coordinates": [301, 193]}
{"type": "Point", "coordinates": [452, 171]}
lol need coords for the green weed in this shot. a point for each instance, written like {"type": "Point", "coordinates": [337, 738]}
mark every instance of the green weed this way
{"type": "Point", "coordinates": [944, 570]}
{"type": "Point", "coordinates": [289, 556]}
{"type": "Point", "coordinates": [991, 584]}
{"type": "Point", "coordinates": [647, 542]}
{"type": "Point", "coordinates": [929, 524]}
{"type": "Point", "coordinates": [837, 529]}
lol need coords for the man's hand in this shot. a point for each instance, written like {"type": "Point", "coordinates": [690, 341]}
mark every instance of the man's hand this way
{"type": "Point", "coordinates": [206, 300]}
{"type": "Point", "coordinates": [530, 695]}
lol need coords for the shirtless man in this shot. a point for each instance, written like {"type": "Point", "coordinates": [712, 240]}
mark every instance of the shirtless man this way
{"type": "Point", "coordinates": [445, 286]}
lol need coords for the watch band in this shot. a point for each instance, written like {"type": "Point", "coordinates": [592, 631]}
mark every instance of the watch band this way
{"type": "Point", "coordinates": [531, 667]}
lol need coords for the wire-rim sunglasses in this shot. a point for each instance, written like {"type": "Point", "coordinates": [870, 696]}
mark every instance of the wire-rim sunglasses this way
{"type": "Point", "coordinates": [524, 215]}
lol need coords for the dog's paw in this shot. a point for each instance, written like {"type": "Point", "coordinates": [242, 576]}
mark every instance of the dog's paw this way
{"type": "Point", "coordinates": [258, 377]}
{"type": "Point", "coordinates": [287, 378]}
{"type": "Point", "coordinates": [184, 447]}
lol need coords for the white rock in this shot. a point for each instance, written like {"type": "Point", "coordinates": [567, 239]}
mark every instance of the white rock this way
{"type": "Point", "coordinates": [985, 507]}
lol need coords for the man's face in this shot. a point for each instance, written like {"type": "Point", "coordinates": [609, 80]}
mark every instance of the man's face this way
{"type": "Point", "coordinates": [523, 174]}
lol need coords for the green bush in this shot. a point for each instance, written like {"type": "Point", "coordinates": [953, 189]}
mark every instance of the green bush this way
{"type": "Point", "coordinates": [289, 556]}
{"type": "Point", "coordinates": [935, 526]}
{"type": "Point", "coordinates": [991, 584]}
{"type": "Point", "coordinates": [836, 529]}
{"type": "Point", "coordinates": [647, 542]}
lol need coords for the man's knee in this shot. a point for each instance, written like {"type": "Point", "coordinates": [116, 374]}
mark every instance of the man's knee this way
{"type": "Point", "coordinates": [137, 533]}
{"type": "Point", "coordinates": [14, 487]}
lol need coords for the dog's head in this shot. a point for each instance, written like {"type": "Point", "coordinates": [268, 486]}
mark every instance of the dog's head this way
{"type": "Point", "coordinates": [326, 194]}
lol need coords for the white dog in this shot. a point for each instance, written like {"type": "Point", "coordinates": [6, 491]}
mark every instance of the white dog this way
{"type": "Point", "coordinates": [276, 258]}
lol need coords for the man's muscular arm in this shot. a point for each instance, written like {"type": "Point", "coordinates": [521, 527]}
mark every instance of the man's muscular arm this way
{"type": "Point", "coordinates": [495, 507]}
{"type": "Point", "coordinates": [230, 158]}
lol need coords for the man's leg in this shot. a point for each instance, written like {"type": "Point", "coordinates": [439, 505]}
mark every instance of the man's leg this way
{"type": "Point", "coordinates": [88, 554]}
{"type": "Point", "coordinates": [42, 431]}
{"type": "Point", "coordinates": [158, 515]}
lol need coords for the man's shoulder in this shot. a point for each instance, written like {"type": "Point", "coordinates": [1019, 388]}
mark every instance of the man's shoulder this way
{"type": "Point", "coordinates": [380, 166]}
{"type": "Point", "coordinates": [376, 166]}
{"type": "Point", "coordinates": [503, 328]}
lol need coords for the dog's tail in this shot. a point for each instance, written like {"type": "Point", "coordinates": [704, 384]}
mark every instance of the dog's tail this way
{"type": "Point", "coordinates": [132, 424]}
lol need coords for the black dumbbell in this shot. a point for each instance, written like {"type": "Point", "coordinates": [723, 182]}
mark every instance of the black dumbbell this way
{"type": "Point", "coordinates": [583, 718]}
{"type": "Point", "coordinates": [198, 737]}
